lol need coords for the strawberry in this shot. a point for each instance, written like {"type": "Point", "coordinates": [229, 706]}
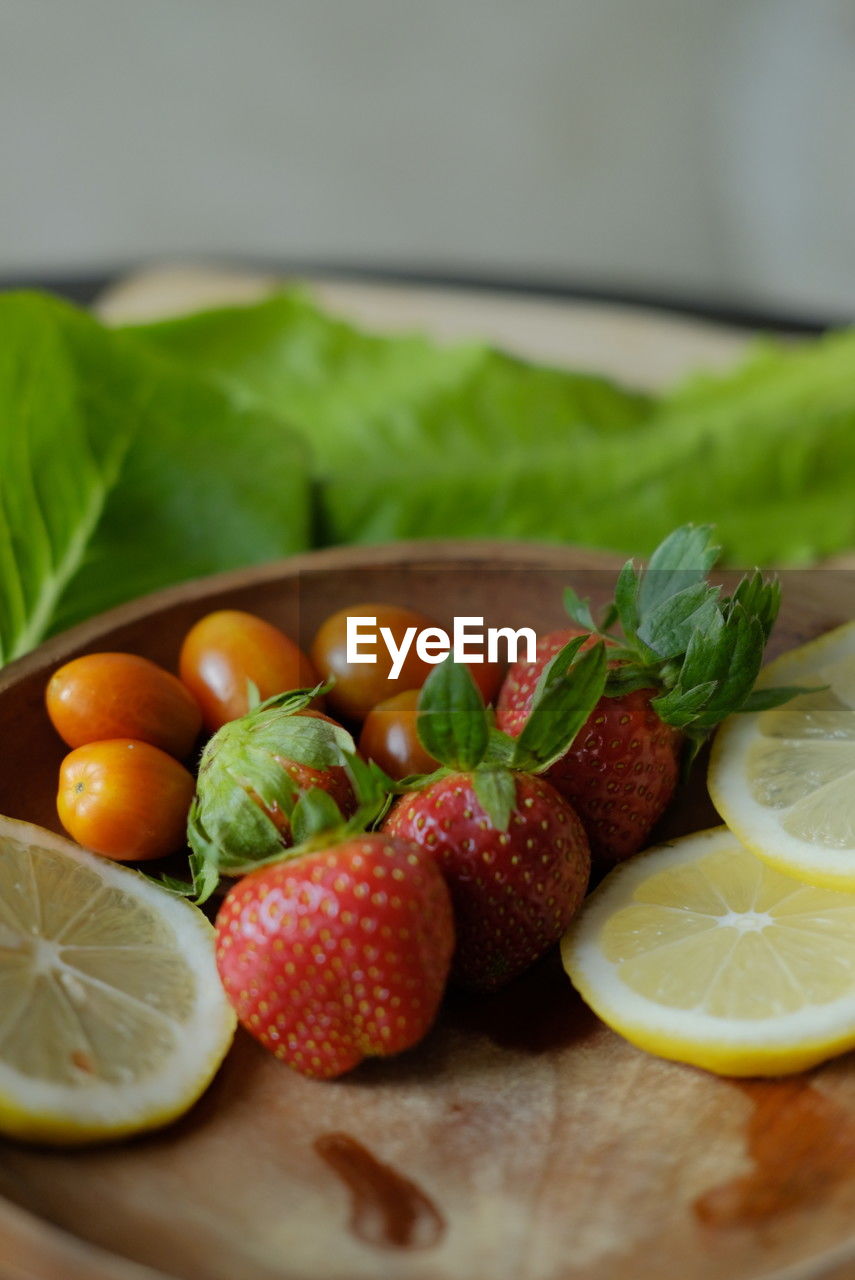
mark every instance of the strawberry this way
{"type": "Point", "coordinates": [338, 954]}
{"type": "Point", "coordinates": [252, 774]}
{"type": "Point", "coordinates": [623, 766]}
{"type": "Point", "coordinates": [514, 887]}
{"type": "Point", "coordinates": [685, 657]}
{"type": "Point", "coordinates": [513, 852]}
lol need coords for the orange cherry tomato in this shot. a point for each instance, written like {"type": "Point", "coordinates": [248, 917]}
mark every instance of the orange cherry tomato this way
{"type": "Point", "coordinates": [359, 686]}
{"type": "Point", "coordinates": [125, 799]}
{"type": "Point", "coordinates": [227, 650]}
{"type": "Point", "coordinates": [121, 695]}
{"type": "Point", "coordinates": [389, 737]}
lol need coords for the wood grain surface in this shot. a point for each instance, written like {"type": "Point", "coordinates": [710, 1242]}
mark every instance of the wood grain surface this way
{"type": "Point", "coordinates": [521, 1141]}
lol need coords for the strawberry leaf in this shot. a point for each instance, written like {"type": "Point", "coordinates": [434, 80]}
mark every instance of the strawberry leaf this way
{"type": "Point", "coordinates": [683, 559]}
{"type": "Point", "coordinates": [758, 597]}
{"type": "Point", "coordinates": [558, 666]}
{"type": "Point", "coordinates": [500, 748]}
{"type": "Point", "coordinates": [204, 880]}
{"type": "Point", "coordinates": [452, 723]}
{"type": "Point", "coordinates": [742, 641]}
{"type": "Point", "coordinates": [707, 654]}
{"type": "Point", "coordinates": [627, 677]}
{"type": "Point", "coordinates": [245, 797]}
{"type": "Point", "coordinates": [496, 790]}
{"type": "Point", "coordinates": [314, 813]}
{"type": "Point", "coordinates": [768, 699]}
{"type": "Point", "coordinates": [668, 629]}
{"type": "Point", "coordinates": [579, 610]}
{"type": "Point", "coordinates": [290, 700]}
{"type": "Point", "coordinates": [373, 790]}
{"type": "Point", "coordinates": [232, 819]}
{"type": "Point", "coordinates": [417, 781]}
{"type": "Point", "coordinates": [610, 617]}
{"type": "Point", "coordinates": [680, 707]}
{"type": "Point", "coordinates": [307, 740]}
{"type": "Point", "coordinates": [564, 704]}
{"type": "Point", "coordinates": [701, 652]}
{"type": "Point", "coordinates": [626, 600]}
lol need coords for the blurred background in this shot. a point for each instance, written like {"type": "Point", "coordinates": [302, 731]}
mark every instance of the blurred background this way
{"type": "Point", "coordinates": [696, 149]}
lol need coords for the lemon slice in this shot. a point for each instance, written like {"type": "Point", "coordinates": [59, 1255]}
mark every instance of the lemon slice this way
{"type": "Point", "coordinates": [784, 780]}
{"type": "Point", "coordinates": [112, 1016]}
{"type": "Point", "coordinates": [701, 952]}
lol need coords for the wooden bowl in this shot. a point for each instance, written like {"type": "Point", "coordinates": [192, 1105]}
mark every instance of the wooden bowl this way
{"type": "Point", "coordinates": [521, 1139]}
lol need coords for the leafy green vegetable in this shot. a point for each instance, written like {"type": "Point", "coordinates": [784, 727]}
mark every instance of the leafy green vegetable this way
{"type": "Point", "coordinates": [412, 439]}
{"type": "Point", "coordinates": [766, 453]}
{"type": "Point", "coordinates": [135, 459]}
{"type": "Point", "coordinates": [327, 376]}
{"type": "Point", "coordinates": [121, 473]}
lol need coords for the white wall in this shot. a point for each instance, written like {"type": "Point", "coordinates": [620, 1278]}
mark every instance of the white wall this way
{"type": "Point", "coordinates": [702, 146]}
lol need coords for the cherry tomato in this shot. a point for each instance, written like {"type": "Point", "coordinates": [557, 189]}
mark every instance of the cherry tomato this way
{"type": "Point", "coordinates": [125, 799]}
{"type": "Point", "coordinates": [359, 686]}
{"type": "Point", "coordinates": [389, 737]}
{"type": "Point", "coordinates": [227, 650]}
{"type": "Point", "coordinates": [121, 695]}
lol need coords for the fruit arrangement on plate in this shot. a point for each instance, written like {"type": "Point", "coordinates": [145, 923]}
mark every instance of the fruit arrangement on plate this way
{"type": "Point", "coordinates": [365, 834]}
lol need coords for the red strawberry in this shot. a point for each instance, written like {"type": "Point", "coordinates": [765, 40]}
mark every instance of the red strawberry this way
{"type": "Point", "coordinates": [685, 657]}
{"type": "Point", "coordinates": [621, 769]}
{"type": "Point", "coordinates": [514, 854]}
{"type": "Point", "coordinates": [514, 888]}
{"type": "Point", "coordinates": [340, 954]}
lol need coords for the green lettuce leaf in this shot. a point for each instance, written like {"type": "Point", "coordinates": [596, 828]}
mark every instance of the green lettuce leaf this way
{"type": "Point", "coordinates": [765, 452]}
{"type": "Point", "coordinates": [121, 473]}
{"type": "Point", "coordinates": [414, 439]}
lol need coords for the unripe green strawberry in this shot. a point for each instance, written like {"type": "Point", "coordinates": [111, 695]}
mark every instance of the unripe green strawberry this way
{"type": "Point", "coordinates": [252, 774]}
{"type": "Point", "coordinates": [339, 954]}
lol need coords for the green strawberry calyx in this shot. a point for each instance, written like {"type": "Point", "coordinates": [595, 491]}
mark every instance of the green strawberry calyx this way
{"type": "Point", "coordinates": [316, 823]}
{"type": "Point", "coordinates": [679, 634]}
{"type": "Point", "coordinates": [248, 811]}
{"type": "Point", "coordinates": [456, 728]}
